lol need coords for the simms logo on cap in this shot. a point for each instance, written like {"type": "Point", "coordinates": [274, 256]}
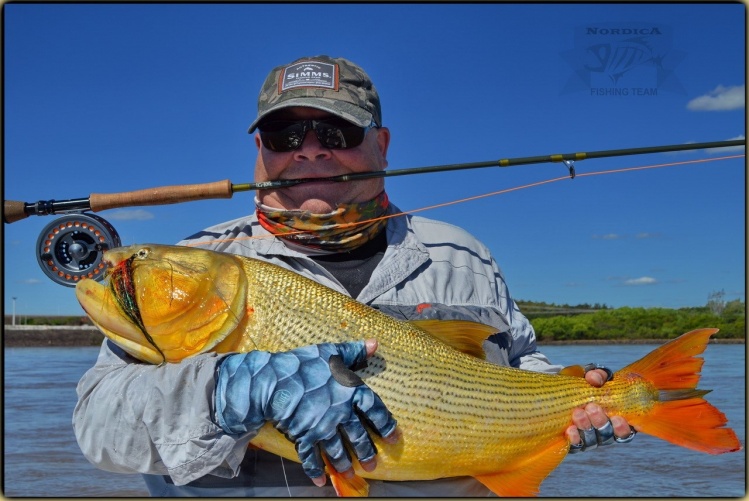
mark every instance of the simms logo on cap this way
{"type": "Point", "coordinates": [309, 74]}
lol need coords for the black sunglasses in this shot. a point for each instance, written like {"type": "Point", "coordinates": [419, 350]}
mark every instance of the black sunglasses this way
{"type": "Point", "coordinates": [333, 133]}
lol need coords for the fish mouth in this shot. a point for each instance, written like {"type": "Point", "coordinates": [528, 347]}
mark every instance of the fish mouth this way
{"type": "Point", "coordinates": [105, 312]}
{"type": "Point", "coordinates": [122, 287]}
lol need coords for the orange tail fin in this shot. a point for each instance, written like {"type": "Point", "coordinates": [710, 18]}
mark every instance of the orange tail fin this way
{"type": "Point", "coordinates": [681, 416]}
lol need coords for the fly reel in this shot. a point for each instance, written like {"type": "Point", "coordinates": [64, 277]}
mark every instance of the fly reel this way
{"type": "Point", "coordinates": [72, 247]}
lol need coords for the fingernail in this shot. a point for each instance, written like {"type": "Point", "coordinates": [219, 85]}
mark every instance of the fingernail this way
{"type": "Point", "coordinates": [369, 465]}
{"type": "Point", "coordinates": [394, 436]}
{"type": "Point", "coordinates": [371, 346]}
{"type": "Point", "coordinates": [348, 473]}
{"type": "Point", "coordinates": [593, 408]}
{"type": "Point", "coordinates": [319, 481]}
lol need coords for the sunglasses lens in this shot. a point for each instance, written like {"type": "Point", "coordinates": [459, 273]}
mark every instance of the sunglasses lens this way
{"type": "Point", "coordinates": [338, 134]}
{"type": "Point", "coordinates": [334, 134]}
{"type": "Point", "coordinates": [282, 135]}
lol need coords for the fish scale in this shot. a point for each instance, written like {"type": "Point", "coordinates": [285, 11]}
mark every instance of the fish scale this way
{"type": "Point", "coordinates": [459, 415]}
{"type": "Point", "coordinates": [472, 411]}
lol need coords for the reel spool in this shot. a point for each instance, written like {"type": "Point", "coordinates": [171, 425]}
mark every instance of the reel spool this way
{"type": "Point", "coordinates": [72, 247]}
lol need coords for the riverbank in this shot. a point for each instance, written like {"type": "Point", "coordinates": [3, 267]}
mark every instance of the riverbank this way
{"type": "Point", "coordinates": [629, 341]}
{"type": "Point", "coordinates": [20, 336]}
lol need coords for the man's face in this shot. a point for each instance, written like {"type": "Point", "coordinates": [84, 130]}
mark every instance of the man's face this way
{"type": "Point", "coordinates": [312, 160]}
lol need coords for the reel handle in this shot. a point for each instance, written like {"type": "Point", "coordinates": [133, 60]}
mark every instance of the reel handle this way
{"type": "Point", "coordinates": [161, 195]}
{"type": "Point", "coordinates": [13, 211]}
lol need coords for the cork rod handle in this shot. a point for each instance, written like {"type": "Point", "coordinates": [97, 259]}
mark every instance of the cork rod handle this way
{"type": "Point", "coordinates": [13, 211]}
{"type": "Point", "coordinates": [161, 195]}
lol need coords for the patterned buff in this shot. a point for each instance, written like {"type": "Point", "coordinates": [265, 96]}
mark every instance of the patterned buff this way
{"type": "Point", "coordinates": [344, 229]}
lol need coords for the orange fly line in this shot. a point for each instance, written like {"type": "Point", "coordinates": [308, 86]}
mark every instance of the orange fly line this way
{"type": "Point", "coordinates": [485, 195]}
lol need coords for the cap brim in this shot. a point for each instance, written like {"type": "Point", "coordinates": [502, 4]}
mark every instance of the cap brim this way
{"type": "Point", "coordinates": [347, 111]}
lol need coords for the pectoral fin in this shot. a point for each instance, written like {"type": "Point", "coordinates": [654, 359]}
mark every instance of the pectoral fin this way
{"type": "Point", "coordinates": [354, 486]}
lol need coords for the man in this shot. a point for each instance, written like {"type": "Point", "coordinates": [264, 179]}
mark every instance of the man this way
{"type": "Point", "coordinates": [186, 426]}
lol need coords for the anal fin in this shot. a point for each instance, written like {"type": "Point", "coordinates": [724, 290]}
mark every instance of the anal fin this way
{"type": "Point", "coordinates": [525, 480]}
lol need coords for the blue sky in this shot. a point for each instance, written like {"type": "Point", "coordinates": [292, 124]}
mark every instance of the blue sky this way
{"type": "Point", "coordinates": [115, 97]}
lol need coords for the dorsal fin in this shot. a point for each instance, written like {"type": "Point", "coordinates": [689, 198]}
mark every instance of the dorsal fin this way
{"type": "Point", "coordinates": [463, 335]}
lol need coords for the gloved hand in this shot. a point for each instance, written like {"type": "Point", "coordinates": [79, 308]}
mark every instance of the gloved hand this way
{"type": "Point", "coordinates": [308, 394]}
{"type": "Point", "coordinates": [591, 426]}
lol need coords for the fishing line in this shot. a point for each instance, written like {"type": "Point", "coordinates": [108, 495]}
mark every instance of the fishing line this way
{"type": "Point", "coordinates": [478, 197]}
{"type": "Point", "coordinates": [14, 210]}
{"type": "Point", "coordinates": [286, 479]}
{"type": "Point", "coordinates": [71, 248]}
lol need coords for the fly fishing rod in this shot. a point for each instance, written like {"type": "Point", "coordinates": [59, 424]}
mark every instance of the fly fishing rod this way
{"type": "Point", "coordinates": [71, 247]}
{"type": "Point", "coordinates": [15, 211]}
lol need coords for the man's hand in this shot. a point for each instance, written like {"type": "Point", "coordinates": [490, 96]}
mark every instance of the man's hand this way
{"type": "Point", "coordinates": [593, 423]}
{"type": "Point", "coordinates": [312, 396]}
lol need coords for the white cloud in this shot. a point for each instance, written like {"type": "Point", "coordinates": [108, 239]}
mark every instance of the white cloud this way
{"type": "Point", "coordinates": [728, 149]}
{"type": "Point", "coordinates": [31, 281]}
{"type": "Point", "coordinates": [130, 215]}
{"type": "Point", "coordinates": [641, 281]}
{"type": "Point", "coordinates": [573, 284]}
{"type": "Point", "coordinates": [720, 99]}
{"type": "Point", "coordinates": [617, 236]}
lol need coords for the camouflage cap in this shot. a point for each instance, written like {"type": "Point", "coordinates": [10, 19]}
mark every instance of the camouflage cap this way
{"type": "Point", "coordinates": [335, 85]}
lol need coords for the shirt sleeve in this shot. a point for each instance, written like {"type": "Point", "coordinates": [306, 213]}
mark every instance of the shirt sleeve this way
{"type": "Point", "coordinates": [524, 353]}
{"type": "Point", "coordinates": [133, 417]}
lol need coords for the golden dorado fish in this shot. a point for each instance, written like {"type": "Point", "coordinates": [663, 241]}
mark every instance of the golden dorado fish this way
{"type": "Point", "coordinates": [459, 415]}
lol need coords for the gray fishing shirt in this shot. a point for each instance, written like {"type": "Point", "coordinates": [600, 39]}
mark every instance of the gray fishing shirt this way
{"type": "Point", "coordinates": [133, 417]}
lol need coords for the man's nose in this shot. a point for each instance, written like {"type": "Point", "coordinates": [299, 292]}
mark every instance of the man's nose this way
{"type": "Point", "coordinates": [311, 147]}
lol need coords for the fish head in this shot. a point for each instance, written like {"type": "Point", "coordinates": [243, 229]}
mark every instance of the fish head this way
{"type": "Point", "coordinates": [165, 303]}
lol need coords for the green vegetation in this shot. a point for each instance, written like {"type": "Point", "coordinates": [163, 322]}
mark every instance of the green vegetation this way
{"type": "Point", "coordinates": [585, 322]}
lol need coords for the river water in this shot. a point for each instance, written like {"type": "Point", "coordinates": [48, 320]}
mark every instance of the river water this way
{"type": "Point", "coordinates": [41, 457]}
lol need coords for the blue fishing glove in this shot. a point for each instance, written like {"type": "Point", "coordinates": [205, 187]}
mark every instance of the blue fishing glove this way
{"type": "Point", "coordinates": [310, 394]}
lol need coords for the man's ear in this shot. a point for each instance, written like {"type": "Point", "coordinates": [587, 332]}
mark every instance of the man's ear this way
{"type": "Point", "coordinates": [383, 143]}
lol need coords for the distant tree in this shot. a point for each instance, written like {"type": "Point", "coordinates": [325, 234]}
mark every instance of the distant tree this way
{"type": "Point", "coordinates": [716, 302]}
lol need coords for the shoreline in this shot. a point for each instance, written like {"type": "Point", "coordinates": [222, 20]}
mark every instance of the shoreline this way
{"type": "Point", "coordinates": [28, 336]}
{"type": "Point", "coordinates": [629, 341]}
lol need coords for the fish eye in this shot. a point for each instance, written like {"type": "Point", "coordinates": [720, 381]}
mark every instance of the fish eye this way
{"type": "Point", "coordinates": [142, 253]}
